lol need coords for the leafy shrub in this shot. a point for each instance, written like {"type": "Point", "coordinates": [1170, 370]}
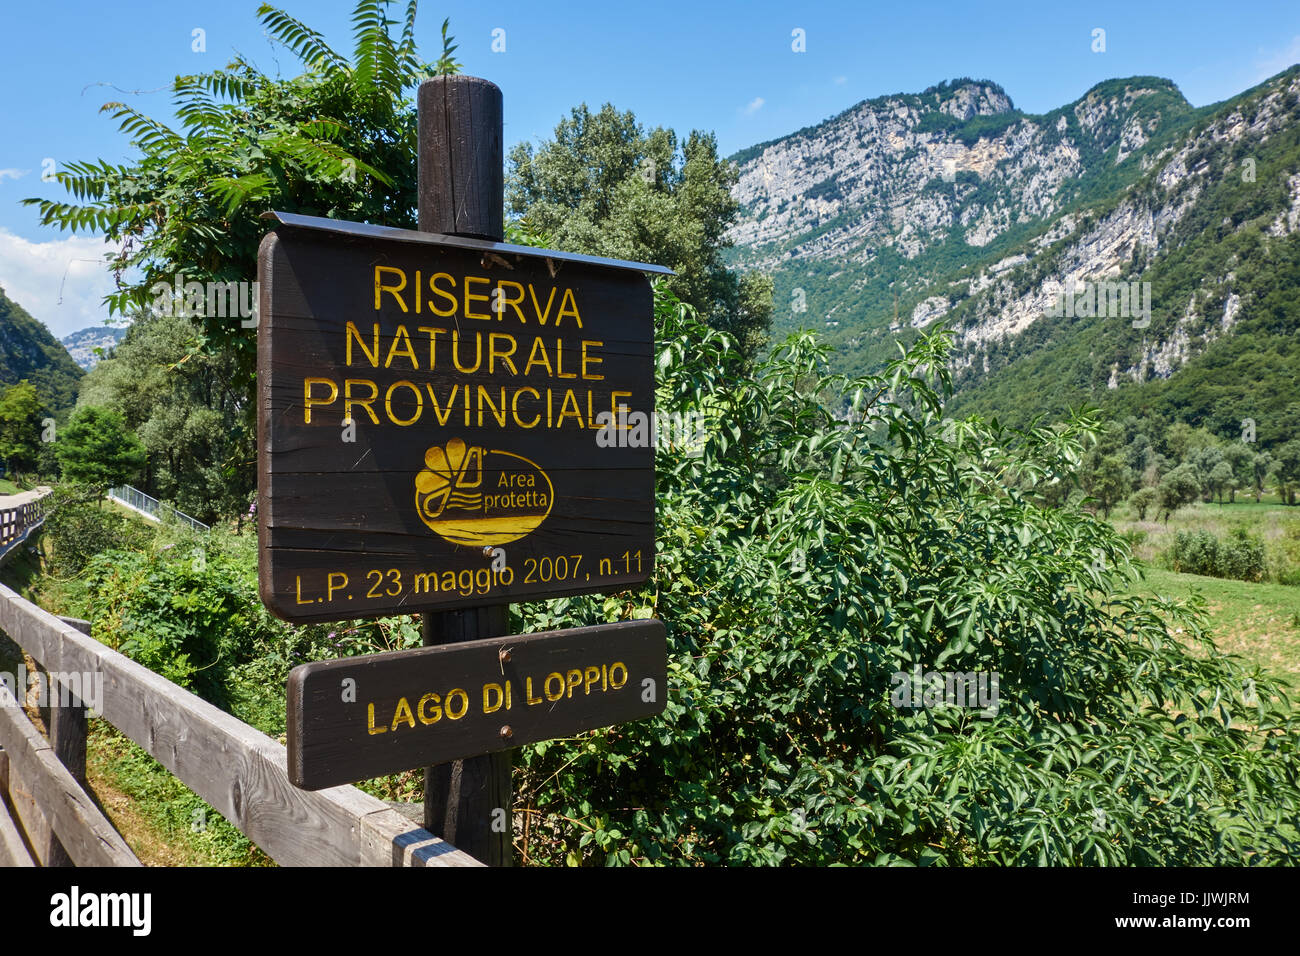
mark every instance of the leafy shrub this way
{"type": "Point", "coordinates": [1240, 556]}
{"type": "Point", "coordinates": [803, 560]}
{"type": "Point", "coordinates": [1195, 552]}
{"type": "Point", "coordinates": [190, 612]}
{"type": "Point", "coordinates": [1284, 559]}
{"type": "Point", "coordinates": [79, 526]}
{"type": "Point", "coordinates": [1144, 500]}
{"type": "Point", "coordinates": [182, 615]}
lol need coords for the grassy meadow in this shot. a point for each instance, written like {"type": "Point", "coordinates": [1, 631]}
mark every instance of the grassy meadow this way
{"type": "Point", "coordinates": [1258, 620]}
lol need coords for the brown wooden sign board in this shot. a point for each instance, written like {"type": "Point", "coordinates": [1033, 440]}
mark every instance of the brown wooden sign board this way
{"type": "Point", "coordinates": [361, 717]}
{"type": "Point", "coordinates": [429, 415]}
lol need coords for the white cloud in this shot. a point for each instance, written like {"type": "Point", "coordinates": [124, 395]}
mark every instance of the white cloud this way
{"type": "Point", "coordinates": [12, 173]}
{"type": "Point", "coordinates": [61, 282]}
{"type": "Point", "coordinates": [754, 106]}
{"type": "Point", "coordinates": [1271, 64]}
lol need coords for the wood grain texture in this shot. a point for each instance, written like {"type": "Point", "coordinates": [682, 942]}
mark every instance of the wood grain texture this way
{"type": "Point", "coordinates": [461, 157]}
{"type": "Point", "coordinates": [345, 503]}
{"type": "Point", "coordinates": [460, 796]}
{"type": "Point", "coordinates": [13, 851]}
{"type": "Point", "coordinates": [461, 192]}
{"type": "Point", "coordinates": [361, 717]}
{"type": "Point", "coordinates": [35, 828]}
{"type": "Point", "coordinates": [80, 827]}
{"type": "Point", "coordinates": [67, 729]}
{"type": "Point", "coordinates": [237, 769]}
{"type": "Point", "coordinates": [67, 734]}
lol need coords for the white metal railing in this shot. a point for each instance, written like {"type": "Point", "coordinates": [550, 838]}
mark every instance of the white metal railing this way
{"type": "Point", "coordinates": [150, 507]}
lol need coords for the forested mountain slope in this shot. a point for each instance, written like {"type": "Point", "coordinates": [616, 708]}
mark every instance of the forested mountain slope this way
{"type": "Point", "coordinates": [28, 351]}
{"type": "Point", "coordinates": [952, 207]}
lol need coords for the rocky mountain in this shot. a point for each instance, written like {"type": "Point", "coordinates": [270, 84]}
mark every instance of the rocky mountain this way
{"type": "Point", "coordinates": [950, 207]}
{"type": "Point", "coordinates": [81, 344]}
{"type": "Point", "coordinates": [28, 351]}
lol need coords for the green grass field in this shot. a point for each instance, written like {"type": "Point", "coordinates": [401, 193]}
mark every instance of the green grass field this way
{"type": "Point", "coordinates": [7, 487]}
{"type": "Point", "coordinates": [1261, 622]}
{"type": "Point", "coordinates": [1275, 523]}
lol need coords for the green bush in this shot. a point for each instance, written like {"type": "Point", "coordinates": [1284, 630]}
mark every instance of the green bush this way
{"type": "Point", "coordinates": [1240, 556]}
{"type": "Point", "coordinates": [180, 613]}
{"type": "Point", "coordinates": [1195, 552]}
{"type": "Point", "coordinates": [190, 612]}
{"type": "Point", "coordinates": [1285, 556]}
{"type": "Point", "coordinates": [803, 561]}
{"type": "Point", "coordinates": [79, 526]}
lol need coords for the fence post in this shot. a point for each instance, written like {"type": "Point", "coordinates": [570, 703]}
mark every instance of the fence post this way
{"type": "Point", "coordinates": [65, 723]}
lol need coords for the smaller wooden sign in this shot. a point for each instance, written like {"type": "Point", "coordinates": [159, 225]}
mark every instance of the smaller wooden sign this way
{"type": "Point", "coordinates": [361, 717]}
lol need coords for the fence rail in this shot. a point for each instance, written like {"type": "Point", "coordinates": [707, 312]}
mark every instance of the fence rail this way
{"type": "Point", "coordinates": [151, 507]}
{"type": "Point", "coordinates": [50, 803]}
{"type": "Point", "coordinates": [234, 767]}
{"type": "Point", "coordinates": [17, 522]}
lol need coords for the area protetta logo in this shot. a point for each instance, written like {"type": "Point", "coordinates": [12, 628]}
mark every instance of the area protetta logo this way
{"type": "Point", "coordinates": [471, 495]}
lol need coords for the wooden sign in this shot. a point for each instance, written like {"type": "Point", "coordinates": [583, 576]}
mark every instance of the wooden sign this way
{"type": "Point", "coordinates": [361, 717]}
{"type": "Point", "coordinates": [444, 421]}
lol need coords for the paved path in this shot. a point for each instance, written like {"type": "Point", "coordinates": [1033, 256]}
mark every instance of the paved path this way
{"type": "Point", "coordinates": [13, 501]}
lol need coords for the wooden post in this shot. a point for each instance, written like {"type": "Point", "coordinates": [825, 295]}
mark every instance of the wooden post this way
{"type": "Point", "coordinates": [462, 193]}
{"type": "Point", "coordinates": [461, 160]}
{"type": "Point", "coordinates": [66, 725]}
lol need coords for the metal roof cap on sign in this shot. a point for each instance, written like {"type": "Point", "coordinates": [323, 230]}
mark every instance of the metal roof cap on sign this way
{"type": "Point", "coordinates": [365, 230]}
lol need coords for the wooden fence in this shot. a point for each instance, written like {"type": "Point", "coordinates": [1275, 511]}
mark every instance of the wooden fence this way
{"type": "Point", "coordinates": [16, 522]}
{"type": "Point", "coordinates": [234, 767]}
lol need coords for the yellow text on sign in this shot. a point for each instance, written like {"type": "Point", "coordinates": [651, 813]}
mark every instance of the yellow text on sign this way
{"type": "Point", "coordinates": [454, 704]}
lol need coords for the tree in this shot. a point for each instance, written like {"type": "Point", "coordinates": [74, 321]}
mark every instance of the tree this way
{"type": "Point", "coordinates": [1221, 480]}
{"type": "Point", "coordinates": [1179, 440]}
{"type": "Point", "coordinates": [339, 140]}
{"type": "Point", "coordinates": [813, 565]}
{"type": "Point", "coordinates": [182, 403]}
{"type": "Point", "coordinates": [1240, 456]}
{"type": "Point", "coordinates": [1139, 453]}
{"type": "Point", "coordinates": [1180, 487]}
{"type": "Point", "coordinates": [96, 448]}
{"type": "Point", "coordinates": [1260, 468]}
{"type": "Point", "coordinates": [1206, 459]}
{"type": "Point", "coordinates": [606, 186]}
{"type": "Point", "coordinates": [1286, 470]}
{"type": "Point", "coordinates": [20, 427]}
{"type": "Point", "coordinates": [749, 320]}
{"type": "Point", "coordinates": [1142, 501]}
{"type": "Point", "coordinates": [1109, 482]}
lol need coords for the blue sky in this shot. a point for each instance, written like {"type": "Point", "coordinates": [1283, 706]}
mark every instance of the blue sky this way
{"type": "Point", "coordinates": [726, 66]}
